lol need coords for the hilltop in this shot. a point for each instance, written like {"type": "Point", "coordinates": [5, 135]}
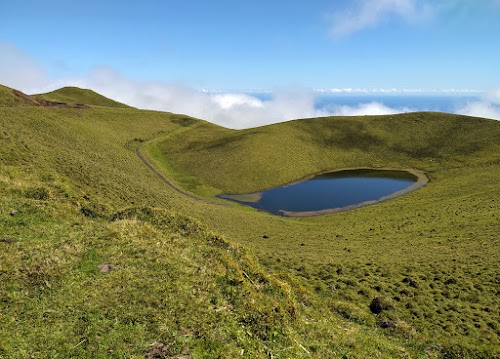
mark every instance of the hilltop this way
{"type": "Point", "coordinates": [100, 258]}
{"type": "Point", "coordinates": [75, 95]}
{"type": "Point", "coordinates": [67, 97]}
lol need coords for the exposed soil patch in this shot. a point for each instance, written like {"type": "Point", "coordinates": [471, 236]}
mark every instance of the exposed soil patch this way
{"type": "Point", "coordinates": [158, 350]}
{"type": "Point", "coordinates": [105, 267]}
{"type": "Point", "coordinates": [6, 240]}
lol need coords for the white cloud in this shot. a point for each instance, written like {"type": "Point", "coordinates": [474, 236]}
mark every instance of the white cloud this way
{"type": "Point", "coordinates": [229, 100]}
{"type": "Point", "coordinates": [487, 107]}
{"type": "Point", "coordinates": [370, 13]}
{"type": "Point", "coordinates": [493, 96]}
{"type": "Point", "coordinates": [18, 69]}
{"type": "Point", "coordinates": [371, 108]}
{"type": "Point", "coordinates": [234, 110]}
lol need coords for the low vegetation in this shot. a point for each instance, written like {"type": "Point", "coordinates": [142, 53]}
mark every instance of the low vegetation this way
{"type": "Point", "coordinates": [75, 95]}
{"type": "Point", "coordinates": [99, 258]}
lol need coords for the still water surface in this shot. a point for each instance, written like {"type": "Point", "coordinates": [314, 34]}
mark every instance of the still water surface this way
{"type": "Point", "coordinates": [332, 191]}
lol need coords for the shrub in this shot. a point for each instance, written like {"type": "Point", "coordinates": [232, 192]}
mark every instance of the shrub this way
{"type": "Point", "coordinates": [380, 304]}
{"type": "Point", "coordinates": [38, 193]}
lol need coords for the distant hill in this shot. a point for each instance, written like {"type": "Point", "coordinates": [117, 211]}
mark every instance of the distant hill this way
{"type": "Point", "coordinates": [72, 97]}
{"type": "Point", "coordinates": [75, 95]}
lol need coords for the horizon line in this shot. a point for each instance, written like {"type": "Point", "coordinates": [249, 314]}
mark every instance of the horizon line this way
{"type": "Point", "coordinates": [359, 91]}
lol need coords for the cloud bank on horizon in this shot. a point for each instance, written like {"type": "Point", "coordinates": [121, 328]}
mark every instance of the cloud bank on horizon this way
{"type": "Point", "coordinates": [233, 110]}
{"type": "Point", "coordinates": [487, 107]}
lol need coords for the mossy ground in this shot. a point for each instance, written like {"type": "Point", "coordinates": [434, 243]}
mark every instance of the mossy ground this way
{"type": "Point", "coordinates": [213, 279]}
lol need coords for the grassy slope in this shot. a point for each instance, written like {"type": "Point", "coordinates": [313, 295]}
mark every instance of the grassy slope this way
{"type": "Point", "coordinates": [75, 95]}
{"type": "Point", "coordinates": [8, 98]}
{"type": "Point", "coordinates": [434, 252]}
{"type": "Point", "coordinates": [68, 174]}
{"type": "Point", "coordinates": [67, 178]}
{"type": "Point", "coordinates": [285, 152]}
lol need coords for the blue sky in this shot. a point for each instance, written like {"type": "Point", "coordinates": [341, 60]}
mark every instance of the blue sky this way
{"type": "Point", "coordinates": [245, 45]}
{"type": "Point", "coordinates": [263, 44]}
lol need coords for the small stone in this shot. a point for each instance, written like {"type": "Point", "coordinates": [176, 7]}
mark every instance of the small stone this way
{"type": "Point", "coordinates": [105, 267]}
{"type": "Point", "coordinates": [6, 240]}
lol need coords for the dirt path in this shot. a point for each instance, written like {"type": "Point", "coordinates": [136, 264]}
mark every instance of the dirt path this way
{"type": "Point", "coordinates": [171, 185]}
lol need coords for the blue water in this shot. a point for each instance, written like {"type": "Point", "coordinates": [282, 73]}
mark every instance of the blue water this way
{"type": "Point", "coordinates": [437, 103]}
{"type": "Point", "coordinates": [421, 102]}
{"type": "Point", "coordinates": [332, 190]}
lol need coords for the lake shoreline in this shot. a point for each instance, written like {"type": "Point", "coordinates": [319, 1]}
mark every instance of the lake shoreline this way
{"type": "Point", "coordinates": [254, 197]}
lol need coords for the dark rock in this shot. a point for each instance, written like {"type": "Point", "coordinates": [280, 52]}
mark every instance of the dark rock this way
{"type": "Point", "coordinates": [411, 282]}
{"type": "Point", "coordinates": [379, 304]}
{"type": "Point", "coordinates": [265, 236]}
{"type": "Point", "coordinates": [386, 324]}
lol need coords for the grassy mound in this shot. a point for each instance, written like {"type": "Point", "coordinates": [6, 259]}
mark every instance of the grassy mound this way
{"type": "Point", "coordinates": [77, 281]}
{"type": "Point", "coordinates": [75, 95]}
{"type": "Point", "coordinates": [99, 258]}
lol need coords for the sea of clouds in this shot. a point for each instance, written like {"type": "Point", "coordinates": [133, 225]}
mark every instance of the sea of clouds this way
{"type": "Point", "coordinates": [234, 110]}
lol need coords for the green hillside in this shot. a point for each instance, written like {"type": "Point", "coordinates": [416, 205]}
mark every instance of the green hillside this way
{"type": "Point", "coordinates": [75, 95]}
{"type": "Point", "coordinates": [9, 98]}
{"type": "Point", "coordinates": [284, 152]}
{"type": "Point", "coordinates": [432, 252]}
{"type": "Point", "coordinates": [99, 257]}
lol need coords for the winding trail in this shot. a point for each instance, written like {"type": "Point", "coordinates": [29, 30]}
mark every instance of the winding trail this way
{"type": "Point", "coordinates": [171, 185]}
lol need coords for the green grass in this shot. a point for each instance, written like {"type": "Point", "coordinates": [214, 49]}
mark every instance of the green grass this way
{"type": "Point", "coordinates": [75, 95]}
{"type": "Point", "coordinates": [441, 239]}
{"type": "Point", "coordinates": [281, 153]}
{"type": "Point", "coordinates": [8, 98]}
{"type": "Point", "coordinates": [199, 277]}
